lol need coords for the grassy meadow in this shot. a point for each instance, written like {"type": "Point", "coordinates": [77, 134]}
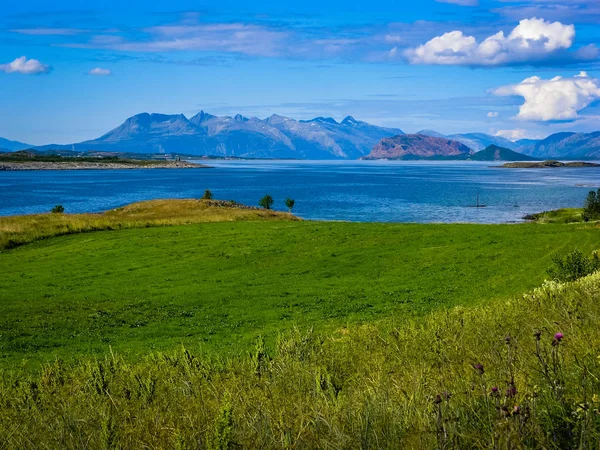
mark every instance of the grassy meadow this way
{"type": "Point", "coordinates": [195, 324]}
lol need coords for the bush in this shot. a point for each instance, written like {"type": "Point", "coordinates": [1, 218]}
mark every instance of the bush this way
{"type": "Point", "coordinates": [289, 203]}
{"type": "Point", "coordinates": [266, 202]}
{"type": "Point", "coordinates": [58, 209]}
{"type": "Point", "coordinates": [591, 207]}
{"type": "Point", "coordinates": [208, 195]}
{"type": "Point", "coordinates": [573, 266]}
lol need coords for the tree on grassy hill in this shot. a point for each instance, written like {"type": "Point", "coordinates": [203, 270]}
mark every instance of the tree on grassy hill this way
{"type": "Point", "coordinates": [208, 195]}
{"type": "Point", "coordinates": [58, 209]}
{"type": "Point", "coordinates": [266, 202]}
{"type": "Point", "coordinates": [289, 203]}
{"type": "Point", "coordinates": [591, 207]}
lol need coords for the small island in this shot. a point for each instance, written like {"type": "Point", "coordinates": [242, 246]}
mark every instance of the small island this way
{"type": "Point", "coordinates": [550, 164]}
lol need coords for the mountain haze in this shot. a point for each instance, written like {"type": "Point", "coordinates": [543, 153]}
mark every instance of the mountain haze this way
{"type": "Point", "coordinates": [12, 146]}
{"type": "Point", "coordinates": [206, 134]}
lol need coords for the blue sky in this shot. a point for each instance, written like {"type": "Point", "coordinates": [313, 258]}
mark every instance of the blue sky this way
{"type": "Point", "coordinates": [70, 72]}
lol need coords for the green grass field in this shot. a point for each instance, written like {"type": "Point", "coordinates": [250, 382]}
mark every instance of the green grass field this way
{"type": "Point", "coordinates": [217, 286]}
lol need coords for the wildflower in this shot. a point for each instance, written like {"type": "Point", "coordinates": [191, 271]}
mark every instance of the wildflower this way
{"type": "Point", "coordinates": [495, 391]}
{"type": "Point", "coordinates": [559, 336]}
{"type": "Point", "coordinates": [516, 410]}
{"type": "Point", "coordinates": [511, 391]}
{"type": "Point", "coordinates": [438, 399]}
{"type": "Point", "coordinates": [507, 339]}
{"type": "Point", "coordinates": [479, 368]}
{"type": "Point", "coordinates": [538, 335]}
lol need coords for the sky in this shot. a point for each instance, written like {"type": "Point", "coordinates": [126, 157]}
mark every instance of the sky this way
{"type": "Point", "coordinates": [71, 71]}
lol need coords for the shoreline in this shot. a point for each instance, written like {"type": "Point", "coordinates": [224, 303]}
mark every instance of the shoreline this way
{"type": "Point", "coordinates": [11, 166]}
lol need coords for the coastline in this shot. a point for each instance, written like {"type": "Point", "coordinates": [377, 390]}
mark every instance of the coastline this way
{"type": "Point", "coordinates": [77, 165]}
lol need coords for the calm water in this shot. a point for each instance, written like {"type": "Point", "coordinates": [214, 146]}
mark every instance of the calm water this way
{"type": "Point", "coordinates": [353, 191]}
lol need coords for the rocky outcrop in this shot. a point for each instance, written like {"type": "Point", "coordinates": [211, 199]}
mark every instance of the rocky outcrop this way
{"type": "Point", "coordinates": [418, 146]}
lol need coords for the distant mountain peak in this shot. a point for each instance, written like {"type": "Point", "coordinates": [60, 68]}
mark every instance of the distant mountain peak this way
{"type": "Point", "coordinates": [201, 117]}
{"type": "Point", "coordinates": [330, 120]}
{"type": "Point", "coordinates": [240, 118]}
{"type": "Point", "coordinates": [349, 120]}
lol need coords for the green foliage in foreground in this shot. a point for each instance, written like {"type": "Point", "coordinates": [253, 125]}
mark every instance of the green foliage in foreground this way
{"type": "Point", "coordinates": [217, 286]}
{"type": "Point", "coordinates": [573, 266]}
{"type": "Point", "coordinates": [591, 207]}
{"type": "Point", "coordinates": [493, 376]}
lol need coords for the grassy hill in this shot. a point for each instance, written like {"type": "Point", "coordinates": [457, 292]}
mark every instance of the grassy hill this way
{"type": "Point", "coordinates": [220, 285]}
{"type": "Point", "coordinates": [237, 327]}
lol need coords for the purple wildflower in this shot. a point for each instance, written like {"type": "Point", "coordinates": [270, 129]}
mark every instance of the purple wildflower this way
{"type": "Point", "coordinates": [479, 368]}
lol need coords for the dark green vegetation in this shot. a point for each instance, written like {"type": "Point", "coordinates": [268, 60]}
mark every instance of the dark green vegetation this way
{"type": "Point", "coordinates": [220, 285]}
{"type": "Point", "coordinates": [496, 153]}
{"type": "Point", "coordinates": [573, 266]}
{"type": "Point", "coordinates": [591, 206]}
{"type": "Point", "coordinates": [504, 375]}
{"type": "Point", "coordinates": [266, 202]}
{"type": "Point", "coordinates": [547, 165]}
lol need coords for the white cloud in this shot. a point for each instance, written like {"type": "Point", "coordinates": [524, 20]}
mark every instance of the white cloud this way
{"type": "Point", "coordinates": [556, 99]}
{"type": "Point", "coordinates": [512, 135]}
{"type": "Point", "coordinates": [25, 66]}
{"type": "Point", "coordinates": [493, 114]}
{"type": "Point", "coordinates": [49, 31]}
{"type": "Point", "coordinates": [460, 2]}
{"type": "Point", "coordinates": [533, 40]}
{"type": "Point", "coordinates": [99, 72]}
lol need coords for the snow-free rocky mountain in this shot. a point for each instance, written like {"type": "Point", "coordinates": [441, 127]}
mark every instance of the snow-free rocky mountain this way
{"type": "Point", "coordinates": [274, 137]}
{"type": "Point", "coordinates": [419, 146]}
{"type": "Point", "coordinates": [12, 146]}
{"type": "Point", "coordinates": [282, 137]}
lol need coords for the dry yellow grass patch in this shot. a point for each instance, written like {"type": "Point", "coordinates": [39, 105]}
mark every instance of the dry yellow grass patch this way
{"type": "Point", "coordinates": [19, 230]}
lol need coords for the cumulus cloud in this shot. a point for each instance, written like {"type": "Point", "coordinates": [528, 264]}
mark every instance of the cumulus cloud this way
{"type": "Point", "coordinates": [555, 99]}
{"type": "Point", "coordinates": [99, 72]}
{"type": "Point", "coordinates": [25, 66]}
{"type": "Point", "coordinates": [512, 135]}
{"type": "Point", "coordinates": [493, 114]}
{"type": "Point", "coordinates": [533, 40]}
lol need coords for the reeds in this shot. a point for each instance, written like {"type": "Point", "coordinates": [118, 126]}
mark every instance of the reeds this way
{"type": "Point", "coordinates": [522, 373]}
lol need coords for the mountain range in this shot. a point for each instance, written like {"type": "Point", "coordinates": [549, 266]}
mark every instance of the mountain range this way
{"type": "Point", "coordinates": [205, 134]}
{"type": "Point", "coordinates": [283, 137]}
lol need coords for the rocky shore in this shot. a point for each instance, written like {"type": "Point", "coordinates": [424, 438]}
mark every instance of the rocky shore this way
{"type": "Point", "coordinates": [100, 165]}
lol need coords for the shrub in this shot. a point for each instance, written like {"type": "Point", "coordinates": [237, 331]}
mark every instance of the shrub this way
{"type": "Point", "coordinates": [266, 202]}
{"type": "Point", "coordinates": [591, 207]}
{"type": "Point", "coordinates": [289, 203]}
{"type": "Point", "coordinates": [58, 209]}
{"type": "Point", "coordinates": [573, 266]}
{"type": "Point", "coordinates": [208, 195]}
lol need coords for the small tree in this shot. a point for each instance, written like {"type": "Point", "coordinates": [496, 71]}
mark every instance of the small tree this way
{"type": "Point", "coordinates": [207, 195]}
{"type": "Point", "coordinates": [290, 202]}
{"type": "Point", "coordinates": [591, 207]}
{"type": "Point", "coordinates": [58, 209]}
{"type": "Point", "coordinates": [266, 202]}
